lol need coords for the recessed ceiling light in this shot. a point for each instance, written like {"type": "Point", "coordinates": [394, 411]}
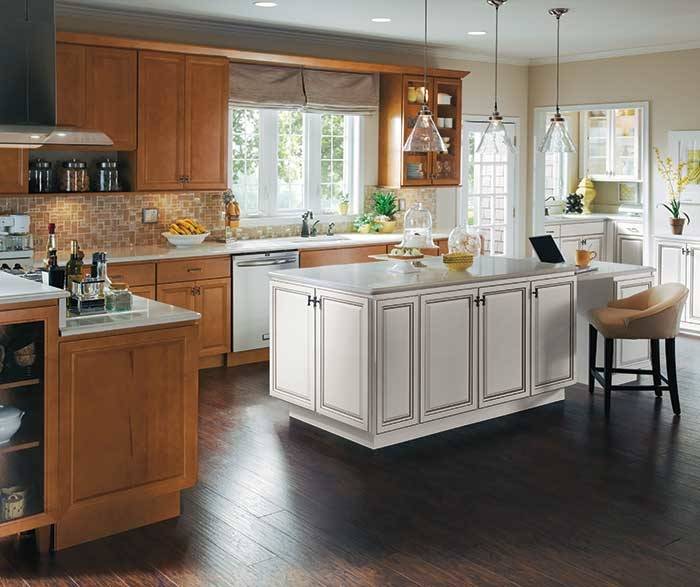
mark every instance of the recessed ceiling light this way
{"type": "Point", "coordinates": [265, 4]}
{"type": "Point", "coordinates": [61, 134]}
{"type": "Point", "coordinates": [34, 137]}
{"type": "Point", "coordinates": [381, 19]}
{"type": "Point", "coordinates": [477, 33]}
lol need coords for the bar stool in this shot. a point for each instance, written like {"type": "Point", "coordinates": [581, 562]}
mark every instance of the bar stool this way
{"type": "Point", "coordinates": [652, 315]}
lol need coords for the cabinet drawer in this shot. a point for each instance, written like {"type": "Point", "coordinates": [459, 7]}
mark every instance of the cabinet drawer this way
{"type": "Point", "coordinates": [553, 229]}
{"type": "Point", "coordinates": [189, 269]}
{"type": "Point", "coordinates": [144, 291]}
{"type": "Point", "coordinates": [340, 256]}
{"type": "Point", "coordinates": [583, 228]}
{"type": "Point", "coordinates": [630, 228]}
{"type": "Point", "coordinates": [133, 273]}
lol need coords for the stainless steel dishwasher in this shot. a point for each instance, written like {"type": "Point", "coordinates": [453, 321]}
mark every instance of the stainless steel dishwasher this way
{"type": "Point", "coordinates": [251, 297]}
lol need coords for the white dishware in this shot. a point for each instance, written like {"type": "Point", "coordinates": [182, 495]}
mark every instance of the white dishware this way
{"type": "Point", "coordinates": [185, 240]}
{"type": "Point", "coordinates": [447, 122]}
{"type": "Point", "coordinates": [444, 99]}
{"type": "Point", "coordinates": [441, 122]}
{"type": "Point", "coordinates": [10, 421]}
{"type": "Point", "coordinates": [402, 264]}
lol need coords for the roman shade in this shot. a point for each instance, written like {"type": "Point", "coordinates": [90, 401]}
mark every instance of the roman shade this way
{"type": "Point", "coordinates": [288, 88]}
{"type": "Point", "coordinates": [266, 86]}
{"type": "Point", "coordinates": [341, 93]}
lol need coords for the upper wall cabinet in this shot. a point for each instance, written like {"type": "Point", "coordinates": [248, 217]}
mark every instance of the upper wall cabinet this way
{"type": "Point", "coordinates": [14, 177]}
{"type": "Point", "coordinates": [611, 144]}
{"type": "Point", "coordinates": [401, 99]}
{"type": "Point", "coordinates": [97, 89]}
{"type": "Point", "coordinates": [183, 122]}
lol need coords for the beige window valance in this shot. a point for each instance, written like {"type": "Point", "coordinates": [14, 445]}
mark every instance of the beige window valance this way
{"type": "Point", "coordinates": [287, 88]}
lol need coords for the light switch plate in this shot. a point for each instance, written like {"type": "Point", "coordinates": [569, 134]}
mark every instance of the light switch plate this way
{"type": "Point", "coordinates": [402, 204]}
{"type": "Point", "coordinates": [149, 215]}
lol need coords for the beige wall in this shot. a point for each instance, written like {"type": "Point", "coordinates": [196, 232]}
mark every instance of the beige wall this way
{"type": "Point", "coordinates": [668, 81]}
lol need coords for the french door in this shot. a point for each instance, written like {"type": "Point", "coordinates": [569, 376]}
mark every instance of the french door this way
{"type": "Point", "coordinates": [487, 199]}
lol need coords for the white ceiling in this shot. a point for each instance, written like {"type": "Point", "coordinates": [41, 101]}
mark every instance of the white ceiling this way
{"type": "Point", "coordinates": [593, 28]}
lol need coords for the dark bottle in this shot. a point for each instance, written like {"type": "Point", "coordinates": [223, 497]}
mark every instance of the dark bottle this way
{"type": "Point", "coordinates": [74, 267]}
{"type": "Point", "coordinates": [51, 245]}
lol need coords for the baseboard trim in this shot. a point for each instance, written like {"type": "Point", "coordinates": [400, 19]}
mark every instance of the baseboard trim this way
{"type": "Point", "coordinates": [247, 357]}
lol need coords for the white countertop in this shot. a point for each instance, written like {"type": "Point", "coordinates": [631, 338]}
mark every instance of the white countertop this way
{"type": "Point", "coordinates": [605, 270]}
{"type": "Point", "coordinates": [14, 289]}
{"type": "Point", "coordinates": [144, 313]}
{"type": "Point", "coordinates": [375, 278]}
{"type": "Point", "coordinates": [213, 249]}
{"type": "Point", "coordinates": [594, 217]}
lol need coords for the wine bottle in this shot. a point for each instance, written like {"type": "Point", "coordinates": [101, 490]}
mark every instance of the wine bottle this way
{"type": "Point", "coordinates": [51, 245]}
{"type": "Point", "coordinates": [74, 267]}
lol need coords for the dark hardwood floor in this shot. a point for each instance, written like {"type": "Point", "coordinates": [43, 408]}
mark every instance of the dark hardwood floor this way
{"type": "Point", "coordinates": [551, 497]}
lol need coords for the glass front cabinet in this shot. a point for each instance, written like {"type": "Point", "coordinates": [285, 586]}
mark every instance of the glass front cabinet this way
{"type": "Point", "coordinates": [28, 418]}
{"type": "Point", "coordinates": [611, 144]}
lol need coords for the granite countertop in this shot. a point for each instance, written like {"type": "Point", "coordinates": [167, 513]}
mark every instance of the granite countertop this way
{"type": "Point", "coordinates": [144, 313]}
{"type": "Point", "coordinates": [594, 217]}
{"type": "Point", "coordinates": [213, 249]}
{"type": "Point", "coordinates": [14, 289]}
{"type": "Point", "coordinates": [375, 278]}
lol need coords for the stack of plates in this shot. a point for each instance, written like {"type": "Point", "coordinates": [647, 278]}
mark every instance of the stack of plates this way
{"type": "Point", "coordinates": [414, 170]}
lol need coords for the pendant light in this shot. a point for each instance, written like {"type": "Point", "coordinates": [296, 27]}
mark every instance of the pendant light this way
{"type": "Point", "coordinates": [425, 137]}
{"type": "Point", "coordinates": [495, 138]}
{"type": "Point", "coordinates": [557, 139]}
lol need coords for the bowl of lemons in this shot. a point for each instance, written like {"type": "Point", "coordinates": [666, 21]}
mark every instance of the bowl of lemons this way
{"type": "Point", "coordinates": [186, 232]}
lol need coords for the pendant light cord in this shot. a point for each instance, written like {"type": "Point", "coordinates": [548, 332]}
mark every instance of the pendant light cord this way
{"type": "Point", "coordinates": [558, 27]}
{"type": "Point", "coordinates": [495, 86]}
{"type": "Point", "coordinates": [425, 54]}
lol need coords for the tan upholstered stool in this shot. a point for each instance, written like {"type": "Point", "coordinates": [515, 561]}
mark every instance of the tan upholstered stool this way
{"type": "Point", "coordinates": [650, 315]}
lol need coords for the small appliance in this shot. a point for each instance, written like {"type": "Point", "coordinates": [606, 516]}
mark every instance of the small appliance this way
{"type": "Point", "coordinates": [16, 243]}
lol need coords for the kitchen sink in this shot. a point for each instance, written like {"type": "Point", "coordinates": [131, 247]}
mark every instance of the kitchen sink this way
{"type": "Point", "coordinates": [320, 238]}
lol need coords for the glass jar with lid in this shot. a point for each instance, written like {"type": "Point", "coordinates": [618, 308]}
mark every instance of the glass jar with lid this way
{"type": "Point", "coordinates": [40, 176]}
{"type": "Point", "coordinates": [118, 298]}
{"type": "Point", "coordinates": [418, 228]}
{"type": "Point", "coordinates": [74, 177]}
{"type": "Point", "coordinates": [464, 239]}
{"type": "Point", "coordinates": [108, 176]}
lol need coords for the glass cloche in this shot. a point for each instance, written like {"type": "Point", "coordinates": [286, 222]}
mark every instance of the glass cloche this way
{"type": "Point", "coordinates": [418, 228]}
{"type": "Point", "coordinates": [464, 239]}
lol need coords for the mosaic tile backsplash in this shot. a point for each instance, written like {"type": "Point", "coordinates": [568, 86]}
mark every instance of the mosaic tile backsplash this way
{"type": "Point", "coordinates": [114, 220]}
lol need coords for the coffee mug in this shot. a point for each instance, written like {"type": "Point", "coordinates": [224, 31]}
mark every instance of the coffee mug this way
{"type": "Point", "coordinates": [584, 257]}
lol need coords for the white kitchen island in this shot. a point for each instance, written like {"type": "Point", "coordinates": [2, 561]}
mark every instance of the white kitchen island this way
{"type": "Point", "coordinates": [380, 358]}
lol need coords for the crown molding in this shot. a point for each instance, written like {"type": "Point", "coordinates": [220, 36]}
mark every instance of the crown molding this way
{"type": "Point", "coordinates": [597, 55]}
{"type": "Point", "coordinates": [78, 18]}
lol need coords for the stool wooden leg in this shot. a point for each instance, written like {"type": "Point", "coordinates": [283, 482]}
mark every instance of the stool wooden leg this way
{"type": "Point", "coordinates": [592, 348]}
{"type": "Point", "coordinates": [671, 373]}
{"type": "Point", "coordinates": [656, 365]}
{"type": "Point", "coordinates": [607, 373]}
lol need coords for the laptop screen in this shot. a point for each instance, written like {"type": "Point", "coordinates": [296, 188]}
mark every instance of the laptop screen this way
{"type": "Point", "coordinates": [547, 249]}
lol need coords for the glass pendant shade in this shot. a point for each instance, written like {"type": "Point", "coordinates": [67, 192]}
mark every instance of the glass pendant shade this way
{"type": "Point", "coordinates": [495, 138]}
{"type": "Point", "coordinates": [557, 139]}
{"type": "Point", "coordinates": [425, 137]}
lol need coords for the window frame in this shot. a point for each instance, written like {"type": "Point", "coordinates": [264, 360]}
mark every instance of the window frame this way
{"type": "Point", "coordinates": [267, 166]}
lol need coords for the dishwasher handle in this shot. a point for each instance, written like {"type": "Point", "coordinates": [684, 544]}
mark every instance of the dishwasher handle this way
{"type": "Point", "coordinates": [265, 263]}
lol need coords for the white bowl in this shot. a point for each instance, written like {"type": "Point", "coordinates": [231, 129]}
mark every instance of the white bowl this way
{"type": "Point", "coordinates": [185, 240]}
{"type": "Point", "coordinates": [10, 421]}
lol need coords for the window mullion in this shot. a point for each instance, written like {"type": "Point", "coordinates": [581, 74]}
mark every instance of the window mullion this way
{"type": "Point", "coordinates": [312, 161]}
{"type": "Point", "coordinates": [268, 161]}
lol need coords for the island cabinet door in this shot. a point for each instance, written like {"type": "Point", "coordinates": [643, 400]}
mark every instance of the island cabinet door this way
{"type": "Point", "coordinates": [504, 327]}
{"type": "Point", "coordinates": [342, 358]}
{"type": "Point", "coordinates": [292, 348]}
{"type": "Point", "coordinates": [553, 334]}
{"type": "Point", "coordinates": [449, 356]}
{"type": "Point", "coordinates": [397, 370]}
{"type": "Point", "coordinates": [632, 353]}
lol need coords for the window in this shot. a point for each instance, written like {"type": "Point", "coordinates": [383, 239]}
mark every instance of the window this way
{"type": "Point", "coordinates": [283, 162]}
{"type": "Point", "coordinates": [554, 173]}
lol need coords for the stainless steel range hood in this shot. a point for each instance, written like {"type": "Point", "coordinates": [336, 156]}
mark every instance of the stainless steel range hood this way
{"type": "Point", "coordinates": [28, 88]}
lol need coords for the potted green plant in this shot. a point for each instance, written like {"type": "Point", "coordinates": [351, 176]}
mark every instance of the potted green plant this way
{"type": "Point", "coordinates": [344, 205]}
{"type": "Point", "coordinates": [365, 224]}
{"type": "Point", "coordinates": [676, 181]}
{"type": "Point", "coordinates": [385, 210]}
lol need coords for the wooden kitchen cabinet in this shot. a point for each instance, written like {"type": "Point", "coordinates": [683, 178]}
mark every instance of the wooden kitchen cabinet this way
{"type": "Point", "coordinates": [128, 438]}
{"type": "Point", "coordinates": [340, 256]}
{"type": "Point", "coordinates": [14, 171]}
{"type": "Point", "coordinates": [133, 274]}
{"type": "Point", "coordinates": [212, 299]}
{"type": "Point", "coordinates": [398, 111]}
{"type": "Point", "coordinates": [553, 336]}
{"type": "Point", "coordinates": [504, 324]}
{"type": "Point", "coordinates": [182, 122]}
{"type": "Point", "coordinates": [96, 89]}
{"type": "Point", "coordinates": [144, 291]}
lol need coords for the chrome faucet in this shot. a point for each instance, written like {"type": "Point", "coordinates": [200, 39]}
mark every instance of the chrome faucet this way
{"type": "Point", "coordinates": [305, 228]}
{"type": "Point", "coordinates": [546, 208]}
{"type": "Point", "coordinates": [331, 229]}
{"type": "Point", "coordinates": [314, 229]}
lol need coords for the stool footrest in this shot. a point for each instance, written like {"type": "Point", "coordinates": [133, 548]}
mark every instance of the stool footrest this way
{"type": "Point", "coordinates": [630, 372]}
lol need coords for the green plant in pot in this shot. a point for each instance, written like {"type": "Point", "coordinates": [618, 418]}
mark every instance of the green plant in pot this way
{"type": "Point", "coordinates": [677, 179]}
{"type": "Point", "coordinates": [365, 223]}
{"type": "Point", "coordinates": [344, 205]}
{"type": "Point", "coordinates": [385, 209]}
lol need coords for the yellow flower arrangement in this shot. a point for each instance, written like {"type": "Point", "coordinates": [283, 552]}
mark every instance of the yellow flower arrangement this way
{"type": "Point", "coordinates": [673, 175]}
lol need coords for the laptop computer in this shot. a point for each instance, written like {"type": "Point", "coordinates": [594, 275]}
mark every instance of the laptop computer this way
{"type": "Point", "coordinates": [548, 252]}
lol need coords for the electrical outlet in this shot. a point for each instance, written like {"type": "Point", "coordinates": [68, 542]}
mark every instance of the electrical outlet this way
{"type": "Point", "coordinates": [149, 215]}
{"type": "Point", "coordinates": [402, 204]}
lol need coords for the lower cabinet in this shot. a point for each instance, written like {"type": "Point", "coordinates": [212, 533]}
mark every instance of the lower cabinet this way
{"type": "Point", "coordinates": [449, 357]}
{"type": "Point", "coordinates": [144, 291]}
{"type": "Point", "coordinates": [629, 249]}
{"type": "Point", "coordinates": [212, 299]}
{"type": "Point", "coordinates": [679, 262]}
{"type": "Point", "coordinates": [504, 324]}
{"type": "Point", "coordinates": [129, 434]}
{"type": "Point", "coordinates": [595, 243]}
{"type": "Point", "coordinates": [553, 335]}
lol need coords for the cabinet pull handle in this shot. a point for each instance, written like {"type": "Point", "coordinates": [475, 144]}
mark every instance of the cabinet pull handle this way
{"type": "Point", "coordinates": [194, 269]}
{"type": "Point", "coordinates": [477, 301]}
{"type": "Point", "coordinates": [309, 301]}
{"type": "Point", "coordinates": [536, 293]}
